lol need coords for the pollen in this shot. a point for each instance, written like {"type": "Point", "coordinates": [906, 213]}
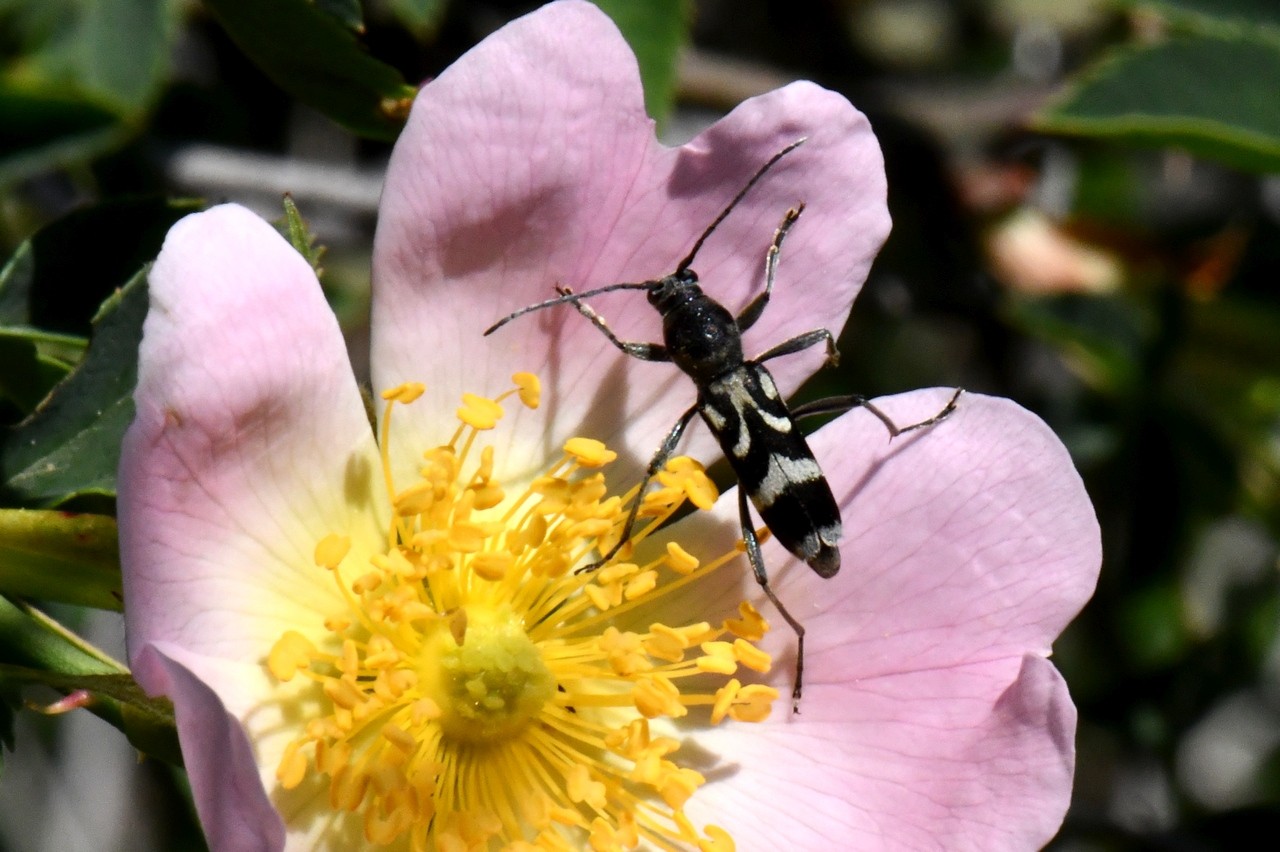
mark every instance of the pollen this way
{"type": "Point", "coordinates": [478, 693]}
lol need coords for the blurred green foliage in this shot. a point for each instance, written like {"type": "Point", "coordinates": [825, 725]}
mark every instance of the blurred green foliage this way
{"type": "Point", "coordinates": [1132, 149]}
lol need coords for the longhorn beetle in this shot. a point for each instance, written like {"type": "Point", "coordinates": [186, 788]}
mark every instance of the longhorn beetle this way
{"type": "Point", "coordinates": [740, 403]}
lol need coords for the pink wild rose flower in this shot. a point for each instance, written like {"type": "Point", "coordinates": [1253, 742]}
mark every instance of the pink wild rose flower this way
{"type": "Point", "coordinates": [377, 640]}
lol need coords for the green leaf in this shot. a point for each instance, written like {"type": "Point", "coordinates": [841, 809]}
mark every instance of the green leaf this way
{"type": "Point", "coordinates": [1101, 338]}
{"type": "Point", "coordinates": [346, 12]}
{"type": "Point", "coordinates": [124, 51]}
{"type": "Point", "coordinates": [1213, 96]}
{"type": "Point", "coordinates": [302, 240]}
{"type": "Point", "coordinates": [1153, 627]}
{"type": "Point", "coordinates": [656, 30]}
{"type": "Point", "coordinates": [315, 59]}
{"type": "Point", "coordinates": [420, 17]}
{"type": "Point", "coordinates": [59, 556]}
{"type": "Point", "coordinates": [1208, 14]}
{"type": "Point", "coordinates": [59, 278]}
{"type": "Point", "coordinates": [26, 377]}
{"type": "Point", "coordinates": [149, 723]}
{"type": "Point", "coordinates": [114, 53]}
{"type": "Point", "coordinates": [71, 445]}
{"type": "Point", "coordinates": [15, 286]}
{"type": "Point", "coordinates": [34, 649]}
{"type": "Point", "coordinates": [45, 129]}
{"type": "Point", "coordinates": [30, 639]}
{"type": "Point", "coordinates": [85, 72]}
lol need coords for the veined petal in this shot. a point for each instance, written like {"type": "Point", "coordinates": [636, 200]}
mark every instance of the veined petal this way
{"type": "Point", "coordinates": [976, 757]}
{"type": "Point", "coordinates": [250, 443]}
{"type": "Point", "coordinates": [930, 714]}
{"type": "Point", "coordinates": [234, 809]}
{"type": "Point", "coordinates": [968, 541]}
{"type": "Point", "coordinates": [530, 163]}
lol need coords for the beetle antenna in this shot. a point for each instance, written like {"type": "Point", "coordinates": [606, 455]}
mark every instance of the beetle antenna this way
{"type": "Point", "coordinates": [688, 261]}
{"type": "Point", "coordinates": [567, 297]}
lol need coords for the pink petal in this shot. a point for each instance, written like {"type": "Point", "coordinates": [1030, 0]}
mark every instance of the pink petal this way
{"type": "Point", "coordinates": [978, 757]}
{"type": "Point", "coordinates": [930, 718]}
{"type": "Point", "coordinates": [250, 443]}
{"type": "Point", "coordinates": [530, 162]}
{"type": "Point", "coordinates": [234, 809]}
{"type": "Point", "coordinates": [970, 541]}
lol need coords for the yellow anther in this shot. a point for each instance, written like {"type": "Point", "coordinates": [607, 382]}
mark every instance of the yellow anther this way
{"type": "Point", "coordinates": [603, 598]}
{"type": "Point", "coordinates": [680, 560]}
{"type": "Point", "coordinates": [349, 661]}
{"type": "Point", "coordinates": [751, 625]}
{"type": "Point", "coordinates": [592, 528]}
{"type": "Point", "coordinates": [660, 500]}
{"type": "Point", "coordinates": [343, 694]}
{"type": "Point", "coordinates": [665, 643]}
{"type": "Point", "coordinates": [427, 539]}
{"type": "Point", "coordinates": [754, 703]}
{"type": "Point", "coordinates": [399, 737]}
{"type": "Point", "coordinates": [725, 696]}
{"type": "Point", "coordinates": [555, 495]}
{"type": "Point", "coordinates": [683, 464]}
{"type": "Point", "coordinates": [718, 840]}
{"type": "Point", "coordinates": [530, 389]}
{"type": "Point", "coordinates": [415, 500]}
{"type": "Point", "coordinates": [590, 489]}
{"type": "Point", "coordinates": [640, 585]}
{"type": "Point", "coordinates": [381, 652]}
{"type": "Point", "coordinates": [702, 492]}
{"type": "Point", "coordinates": [717, 658]}
{"type": "Point", "coordinates": [331, 550]}
{"type": "Point", "coordinates": [479, 412]}
{"type": "Point", "coordinates": [678, 784]}
{"type": "Point", "coordinates": [751, 656]}
{"type": "Point", "coordinates": [582, 788]}
{"type": "Point", "coordinates": [291, 652]}
{"type": "Point", "coordinates": [631, 739]}
{"type": "Point", "coordinates": [367, 583]}
{"type": "Point", "coordinates": [624, 652]}
{"type": "Point", "coordinates": [488, 496]}
{"type": "Point", "coordinates": [405, 393]}
{"type": "Point", "coordinates": [603, 838]}
{"type": "Point", "coordinates": [588, 452]}
{"type": "Point", "coordinates": [441, 464]}
{"type": "Point", "coordinates": [655, 696]}
{"type": "Point", "coordinates": [466, 538]}
{"type": "Point", "coordinates": [492, 566]}
{"type": "Point", "coordinates": [616, 572]}
{"type": "Point", "coordinates": [293, 766]}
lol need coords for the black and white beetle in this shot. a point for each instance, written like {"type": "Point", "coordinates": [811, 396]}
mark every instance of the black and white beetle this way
{"type": "Point", "coordinates": [740, 403]}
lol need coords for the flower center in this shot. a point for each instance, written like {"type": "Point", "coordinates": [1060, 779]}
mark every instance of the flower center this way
{"type": "Point", "coordinates": [476, 693]}
{"type": "Point", "coordinates": [492, 684]}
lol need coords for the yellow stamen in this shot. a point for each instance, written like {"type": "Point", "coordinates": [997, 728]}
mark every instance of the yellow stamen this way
{"type": "Point", "coordinates": [589, 452]}
{"type": "Point", "coordinates": [750, 624]}
{"type": "Point", "coordinates": [530, 389]}
{"type": "Point", "coordinates": [478, 412]}
{"type": "Point", "coordinates": [331, 550]}
{"type": "Point", "coordinates": [478, 694]}
{"type": "Point", "coordinates": [680, 560]}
